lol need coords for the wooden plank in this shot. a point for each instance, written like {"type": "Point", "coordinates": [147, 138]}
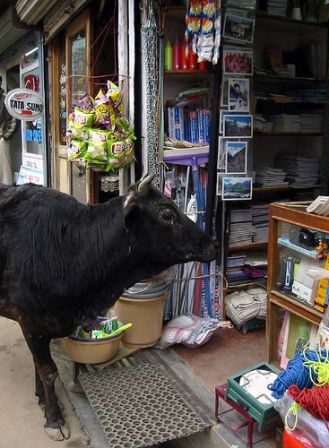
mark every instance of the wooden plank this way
{"type": "Point", "coordinates": [297, 216]}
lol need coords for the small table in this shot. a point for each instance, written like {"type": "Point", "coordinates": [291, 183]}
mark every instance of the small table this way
{"type": "Point", "coordinates": [250, 421]}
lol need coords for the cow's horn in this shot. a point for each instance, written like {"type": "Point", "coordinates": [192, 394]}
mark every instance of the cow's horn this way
{"type": "Point", "coordinates": [145, 183]}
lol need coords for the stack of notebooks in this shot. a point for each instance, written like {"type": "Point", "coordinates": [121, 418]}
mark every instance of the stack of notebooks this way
{"type": "Point", "coordinates": [277, 7]}
{"type": "Point", "coordinates": [261, 124]}
{"type": "Point", "coordinates": [243, 4]}
{"type": "Point", "coordinates": [268, 177]}
{"type": "Point", "coordinates": [311, 123]}
{"type": "Point", "coordinates": [286, 123]}
{"type": "Point", "coordinates": [259, 214]}
{"type": "Point", "coordinates": [301, 171]}
{"type": "Point", "coordinates": [234, 269]}
{"type": "Point", "coordinates": [241, 230]}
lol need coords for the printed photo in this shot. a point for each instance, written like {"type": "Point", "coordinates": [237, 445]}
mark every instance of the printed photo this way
{"type": "Point", "coordinates": [219, 184]}
{"type": "Point", "coordinates": [237, 126]}
{"type": "Point", "coordinates": [222, 113]}
{"type": "Point", "coordinates": [239, 29]}
{"type": "Point", "coordinates": [237, 62]}
{"type": "Point", "coordinates": [221, 159]}
{"type": "Point", "coordinates": [236, 157]}
{"type": "Point", "coordinates": [224, 92]}
{"type": "Point", "coordinates": [236, 188]}
{"type": "Point", "coordinates": [238, 94]}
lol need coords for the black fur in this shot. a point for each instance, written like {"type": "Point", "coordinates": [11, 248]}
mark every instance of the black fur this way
{"type": "Point", "coordinates": [62, 262]}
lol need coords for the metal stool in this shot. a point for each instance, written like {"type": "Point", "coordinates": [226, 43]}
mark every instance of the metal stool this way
{"type": "Point", "coordinates": [220, 393]}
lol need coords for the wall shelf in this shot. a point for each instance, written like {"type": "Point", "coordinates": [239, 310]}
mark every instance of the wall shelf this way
{"type": "Point", "coordinates": [289, 21]}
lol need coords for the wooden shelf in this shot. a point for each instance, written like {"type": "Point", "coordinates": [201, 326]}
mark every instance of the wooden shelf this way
{"type": "Point", "coordinates": [296, 307]}
{"type": "Point", "coordinates": [288, 21]}
{"type": "Point", "coordinates": [260, 190]}
{"type": "Point", "coordinates": [271, 78]}
{"type": "Point", "coordinates": [250, 246]}
{"type": "Point", "coordinates": [287, 134]}
{"type": "Point", "coordinates": [188, 73]}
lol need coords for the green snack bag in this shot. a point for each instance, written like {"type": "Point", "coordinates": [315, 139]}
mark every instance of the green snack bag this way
{"type": "Point", "coordinates": [80, 133]}
{"type": "Point", "coordinates": [82, 118]}
{"type": "Point", "coordinates": [77, 149]}
{"type": "Point", "coordinates": [99, 137]}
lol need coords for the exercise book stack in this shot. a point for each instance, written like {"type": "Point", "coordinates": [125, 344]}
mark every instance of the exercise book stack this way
{"type": "Point", "coordinates": [259, 213]}
{"type": "Point", "coordinates": [277, 8]}
{"type": "Point", "coordinates": [301, 171]}
{"type": "Point", "coordinates": [241, 230]}
{"type": "Point", "coordinates": [267, 177]}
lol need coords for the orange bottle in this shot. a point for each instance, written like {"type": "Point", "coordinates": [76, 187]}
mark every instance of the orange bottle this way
{"type": "Point", "coordinates": [192, 59]}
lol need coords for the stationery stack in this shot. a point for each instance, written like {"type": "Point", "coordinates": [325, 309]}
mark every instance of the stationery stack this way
{"type": "Point", "coordinates": [286, 123]}
{"type": "Point", "coordinates": [277, 8]}
{"type": "Point", "coordinates": [301, 171]}
{"type": "Point", "coordinates": [269, 177]}
{"type": "Point", "coordinates": [234, 269]}
{"type": "Point", "coordinates": [311, 123]}
{"type": "Point", "coordinates": [259, 214]}
{"type": "Point", "coordinates": [241, 230]}
{"type": "Point", "coordinates": [261, 124]}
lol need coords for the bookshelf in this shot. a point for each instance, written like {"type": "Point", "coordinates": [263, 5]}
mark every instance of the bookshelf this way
{"type": "Point", "coordinates": [282, 217]}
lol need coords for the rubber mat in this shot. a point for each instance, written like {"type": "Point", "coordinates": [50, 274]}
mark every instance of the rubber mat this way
{"type": "Point", "coordinates": [140, 405]}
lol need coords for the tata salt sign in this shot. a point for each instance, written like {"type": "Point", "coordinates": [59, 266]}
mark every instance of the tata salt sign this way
{"type": "Point", "coordinates": [24, 104]}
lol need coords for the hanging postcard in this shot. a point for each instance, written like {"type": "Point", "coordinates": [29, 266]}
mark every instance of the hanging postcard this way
{"type": "Point", "coordinates": [237, 126]}
{"type": "Point", "coordinates": [239, 29]}
{"type": "Point", "coordinates": [236, 188]}
{"type": "Point", "coordinates": [237, 61]}
{"type": "Point", "coordinates": [238, 94]}
{"type": "Point", "coordinates": [236, 157]}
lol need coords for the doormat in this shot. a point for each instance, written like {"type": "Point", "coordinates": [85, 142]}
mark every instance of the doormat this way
{"type": "Point", "coordinates": [141, 405]}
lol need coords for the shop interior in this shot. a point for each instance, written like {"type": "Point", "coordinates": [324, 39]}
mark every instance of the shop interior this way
{"type": "Point", "coordinates": [267, 106]}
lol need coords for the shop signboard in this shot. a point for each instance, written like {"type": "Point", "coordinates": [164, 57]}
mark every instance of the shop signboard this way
{"type": "Point", "coordinates": [24, 104]}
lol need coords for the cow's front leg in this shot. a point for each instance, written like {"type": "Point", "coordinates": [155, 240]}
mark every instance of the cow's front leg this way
{"type": "Point", "coordinates": [46, 375]}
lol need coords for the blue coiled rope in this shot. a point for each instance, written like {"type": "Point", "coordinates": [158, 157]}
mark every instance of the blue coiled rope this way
{"type": "Point", "coordinates": [297, 373]}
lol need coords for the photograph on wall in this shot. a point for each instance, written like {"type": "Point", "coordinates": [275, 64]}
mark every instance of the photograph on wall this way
{"type": "Point", "coordinates": [237, 61]}
{"type": "Point", "coordinates": [222, 113]}
{"type": "Point", "coordinates": [221, 159]}
{"type": "Point", "coordinates": [236, 157]}
{"type": "Point", "coordinates": [238, 94]}
{"type": "Point", "coordinates": [219, 184]}
{"type": "Point", "coordinates": [224, 92]}
{"type": "Point", "coordinates": [236, 188]}
{"type": "Point", "coordinates": [239, 29]}
{"type": "Point", "coordinates": [237, 126]}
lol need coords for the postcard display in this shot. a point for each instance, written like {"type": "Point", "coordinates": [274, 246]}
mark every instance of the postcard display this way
{"type": "Point", "coordinates": [236, 121]}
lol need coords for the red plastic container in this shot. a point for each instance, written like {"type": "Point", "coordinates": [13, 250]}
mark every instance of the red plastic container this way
{"type": "Point", "coordinates": [292, 440]}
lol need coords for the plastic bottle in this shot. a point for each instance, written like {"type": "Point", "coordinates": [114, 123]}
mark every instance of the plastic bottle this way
{"type": "Point", "coordinates": [168, 56]}
{"type": "Point", "coordinates": [183, 58]}
{"type": "Point", "coordinates": [192, 59]}
{"type": "Point", "coordinates": [202, 66]}
{"type": "Point", "coordinates": [177, 55]}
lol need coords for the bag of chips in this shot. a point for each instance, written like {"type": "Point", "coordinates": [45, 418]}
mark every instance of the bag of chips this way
{"type": "Point", "coordinates": [77, 149]}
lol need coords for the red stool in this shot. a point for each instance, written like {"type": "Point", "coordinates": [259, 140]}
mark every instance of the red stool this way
{"type": "Point", "coordinates": [220, 393]}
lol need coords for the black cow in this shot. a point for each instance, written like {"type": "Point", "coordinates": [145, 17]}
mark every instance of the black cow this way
{"type": "Point", "coordinates": [62, 263]}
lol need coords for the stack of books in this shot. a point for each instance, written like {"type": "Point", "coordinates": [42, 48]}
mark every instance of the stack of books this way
{"type": "Point", "coordinates": [234, 269]}
{"type": "Point", "coordinates": [185, 123]}
{"type": "Point", "coordinates": [277, 7]}
{"type": "Point", "coordinates": [286, 123]}
{"type": "Point", "coordinates": [241, 230]}
{"type": "Point", "coordinates": [268, 177]}
{"type": "Point", "coordinates": [311, 123]}
{"type": "Point", "coordinates": [259, 213]}
{"type": "Point", "coordinates": [301, 171]}
{"type": "Point", "coordinates": [261, 124]}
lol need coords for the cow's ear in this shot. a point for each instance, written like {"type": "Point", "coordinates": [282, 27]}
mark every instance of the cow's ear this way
{"type": "Point", "coordinates": [131, 214]}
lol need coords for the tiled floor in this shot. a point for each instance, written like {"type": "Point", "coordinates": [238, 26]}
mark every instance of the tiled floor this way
{"type": "Point", "coordinates": [228, 351]}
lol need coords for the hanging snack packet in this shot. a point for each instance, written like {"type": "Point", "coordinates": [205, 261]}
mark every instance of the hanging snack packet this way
{"type": "Point", "coordinates": [82, 118]}
{"type": "Point", "coordinates": [120, 153]}
{"type": "Point", "coordinates": [76, 150]}
{"type": "Point", "coordinates": [100, 138]}
{"type": "Point", "coordinates": [96, 157]}
{"type": "Point", "coordinates": [86, 103]}
{"type": "Point", "coordinates": [105, 114]}
{"type": "Point", "coordinates": [114, 95]}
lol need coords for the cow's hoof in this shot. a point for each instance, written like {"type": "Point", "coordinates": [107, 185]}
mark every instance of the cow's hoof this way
{"type": "Point", "coordinates": [58, 434]}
